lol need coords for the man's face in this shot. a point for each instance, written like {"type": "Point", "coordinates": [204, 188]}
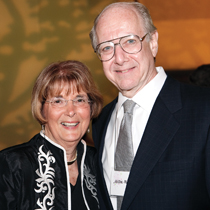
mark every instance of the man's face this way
{"type": "Point", "coordinates": [128, 72]}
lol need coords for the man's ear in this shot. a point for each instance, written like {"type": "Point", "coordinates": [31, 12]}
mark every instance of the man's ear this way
{"type": "Point", "coordinates": [154, 43]}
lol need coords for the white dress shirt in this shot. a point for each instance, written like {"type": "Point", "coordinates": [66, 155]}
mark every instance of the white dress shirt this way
{"type": "Point", "coordinates": [145, 100]}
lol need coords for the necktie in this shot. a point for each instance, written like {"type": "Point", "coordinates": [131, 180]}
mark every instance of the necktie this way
{"type": "Point", "coordinates": [124, 149]}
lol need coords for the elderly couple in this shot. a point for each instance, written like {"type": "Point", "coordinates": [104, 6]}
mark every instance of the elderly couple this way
{"type": "Point", "coordinates": [165, 166]}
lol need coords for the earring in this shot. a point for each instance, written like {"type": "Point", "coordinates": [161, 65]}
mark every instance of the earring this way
{"type": "Point", "coordinates": [88, 130]}
{"type": "Point", "coordinates": [43, 129]}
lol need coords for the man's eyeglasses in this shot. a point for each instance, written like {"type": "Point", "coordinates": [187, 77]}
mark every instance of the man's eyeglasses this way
{"type": "Point", "coordinates": [130, 44]}
{"type": "Point", "coordinates": [80, 102]}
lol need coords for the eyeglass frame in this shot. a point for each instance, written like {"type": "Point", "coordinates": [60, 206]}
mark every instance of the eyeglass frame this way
{"type": "Point", "coordinates": [87, 101]}
{"type": "Point", "coordinates": [120, 38]}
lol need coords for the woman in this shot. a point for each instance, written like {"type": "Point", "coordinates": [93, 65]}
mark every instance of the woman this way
{"type": "Point", "coordinates": [55, 169]}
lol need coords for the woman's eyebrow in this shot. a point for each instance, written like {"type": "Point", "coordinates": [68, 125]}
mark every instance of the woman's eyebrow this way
{"type": "Point", "coordinates": [77, 96]}
{"type": "Point", "coordinates": [80, 95]}
{"type": "Point", "coordinates": [58, 96]}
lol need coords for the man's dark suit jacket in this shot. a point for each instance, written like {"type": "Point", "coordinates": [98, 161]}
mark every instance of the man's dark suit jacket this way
{"type": "Point", "coordinates": [171, 169]}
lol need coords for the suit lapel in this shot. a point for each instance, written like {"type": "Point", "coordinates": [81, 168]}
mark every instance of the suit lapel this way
{"type": "Point", "coordinates": [160, 130]}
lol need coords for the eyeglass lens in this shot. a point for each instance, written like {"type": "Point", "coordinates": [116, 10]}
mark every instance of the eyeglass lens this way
{"type": "Point", "coordinates": [61, 102]}
{"type": "Point", "coordinates": [130, 44]}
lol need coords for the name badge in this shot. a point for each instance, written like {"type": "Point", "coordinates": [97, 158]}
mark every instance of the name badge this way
{"type": "Point", "coordinates": [118, 182]}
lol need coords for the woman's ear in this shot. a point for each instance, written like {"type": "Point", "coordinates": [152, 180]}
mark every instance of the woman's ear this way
{"type": "Point", "coordinates": [154, 43]}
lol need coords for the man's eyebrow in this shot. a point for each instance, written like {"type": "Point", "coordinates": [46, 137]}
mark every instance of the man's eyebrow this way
{"type": "Point", "coordinates": [111, 40]}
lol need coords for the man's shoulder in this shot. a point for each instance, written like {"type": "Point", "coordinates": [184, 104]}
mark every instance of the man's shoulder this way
{"type": "Point", "coordinates": [105, 114]}
{"type": "Point", "coordinates": [173, 84]}
{"type": "Point", "coordinates": [185, 92]}
{"type": "Point", "coordinates": [193, 91]}
{"type": "Point", "coordinates": [108, 108]}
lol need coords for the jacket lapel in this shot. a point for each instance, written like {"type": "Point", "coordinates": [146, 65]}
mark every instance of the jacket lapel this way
{"type": "Point", "coordinates": [160, 130]}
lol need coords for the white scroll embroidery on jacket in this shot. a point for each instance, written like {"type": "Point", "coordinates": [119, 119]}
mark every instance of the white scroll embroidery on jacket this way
{"type": "Point", "coordinates": [45, 183]}
{"type": "Point", "coordinates": [90, 181]}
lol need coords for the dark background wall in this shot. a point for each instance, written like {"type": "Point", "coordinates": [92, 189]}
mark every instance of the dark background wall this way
{"type": "Point", "coordinates": [35, 33]}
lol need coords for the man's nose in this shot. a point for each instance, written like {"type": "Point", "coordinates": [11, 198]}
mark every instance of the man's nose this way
{"type": "Point", "coordinates": [119, 55]}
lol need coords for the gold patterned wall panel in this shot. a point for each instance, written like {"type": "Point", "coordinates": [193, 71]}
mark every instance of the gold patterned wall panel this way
{"type": "Point", "coordinates": [35, 33]}
{"type": "Point", "coordinates": [184, 28]}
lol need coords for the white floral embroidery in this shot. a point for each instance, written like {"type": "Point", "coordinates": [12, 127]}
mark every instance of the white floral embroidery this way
{"type": "Point", "coordinates": [90, 181]}
{"type": "Point", "coordinates": [45, 181]}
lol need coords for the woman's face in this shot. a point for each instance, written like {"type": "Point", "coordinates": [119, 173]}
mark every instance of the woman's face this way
{"type": "Point", "coordinates": [66, 125]}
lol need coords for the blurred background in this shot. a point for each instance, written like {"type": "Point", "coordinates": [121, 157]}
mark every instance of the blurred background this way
{"type": "Point", "coordinates": [35, 33]}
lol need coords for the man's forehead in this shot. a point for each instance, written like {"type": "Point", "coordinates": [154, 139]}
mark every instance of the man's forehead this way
{"type": "Point", "coordinates": [116, 25]}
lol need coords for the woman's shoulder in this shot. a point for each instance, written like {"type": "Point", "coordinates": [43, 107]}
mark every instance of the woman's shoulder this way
{"type": "Point", "coordinates": [19, 152]}
{"type": "Point", "coordinates": [20, 147]}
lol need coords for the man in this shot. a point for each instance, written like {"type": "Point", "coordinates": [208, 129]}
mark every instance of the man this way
{"type": "Point", "coordinates": [170, 125]}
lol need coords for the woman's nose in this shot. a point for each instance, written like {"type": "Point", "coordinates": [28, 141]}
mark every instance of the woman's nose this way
{"type": "Point", "coordinates": [70, 108]}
